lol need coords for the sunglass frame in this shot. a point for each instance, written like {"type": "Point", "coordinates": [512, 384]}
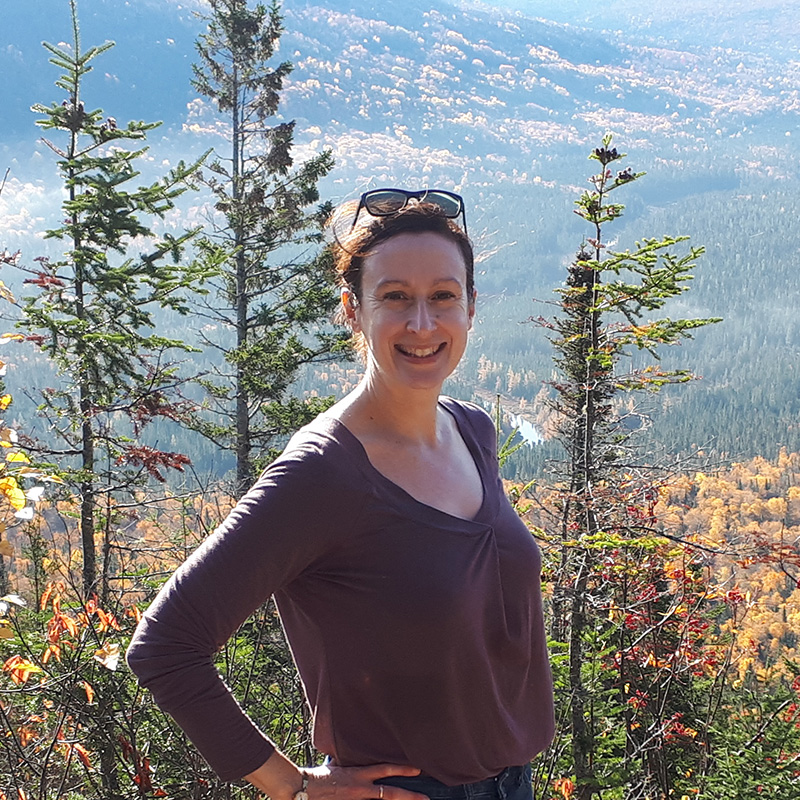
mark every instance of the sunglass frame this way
{"type": "Point", "coordinates": [408, 195]}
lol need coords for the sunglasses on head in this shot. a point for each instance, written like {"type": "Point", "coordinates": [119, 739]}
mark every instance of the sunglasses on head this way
{"type": "Point", "coordinates": [385, 202]}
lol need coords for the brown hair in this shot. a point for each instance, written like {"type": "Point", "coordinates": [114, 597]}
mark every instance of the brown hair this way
{"type": "Point", "coordinates": [350, 250]}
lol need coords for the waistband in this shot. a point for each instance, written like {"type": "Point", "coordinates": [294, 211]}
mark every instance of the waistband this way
{"type": "Point", "coordinates": [495, 788]}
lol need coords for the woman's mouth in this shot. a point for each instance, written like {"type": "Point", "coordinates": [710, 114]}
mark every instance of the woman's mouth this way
{"type": "Point", "coordinates": [420, 352]}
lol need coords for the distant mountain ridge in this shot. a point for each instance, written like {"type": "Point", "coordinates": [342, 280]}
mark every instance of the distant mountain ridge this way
{"type": "Point", "coordinates": [499, 83]}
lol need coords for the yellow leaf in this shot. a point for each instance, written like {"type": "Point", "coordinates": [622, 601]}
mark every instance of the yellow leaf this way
{"type": "Point", "coordinates": [51, 565]}
{"type": "Point", "coordinates": [19, 458]}
{"type": "Point", "coordinates": [6, 633]}
{"type": "Point", "coordinates": [5, 401]}
{"type": "Point", "coordinates": [108, 655]}
{"type": "Point", "coordinates": [6, 293]}
{"type": "Point", "coordinates": [36, 474]}
{"type": "Point", "coordinates": [11, 337]}
{"type": "Point", "coordinates": [15, 496]}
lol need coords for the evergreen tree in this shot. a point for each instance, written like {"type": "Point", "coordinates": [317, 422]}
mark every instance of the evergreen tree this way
{"type": "Point", "coordinates": [273, 292]}
{"type": "Point", "coordinates": [606, 501]}
{"type": "Point", "coordinates": [93, 310]}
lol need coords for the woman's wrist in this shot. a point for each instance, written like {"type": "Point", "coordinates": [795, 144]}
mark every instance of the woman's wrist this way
{"type": "Point", "coordinates": [279, 778]}
{"type": "Point", "coordinates": [302, 792]}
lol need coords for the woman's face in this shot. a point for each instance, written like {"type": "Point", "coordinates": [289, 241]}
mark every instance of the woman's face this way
{"type": "Point", "coordinates": [414, 311]}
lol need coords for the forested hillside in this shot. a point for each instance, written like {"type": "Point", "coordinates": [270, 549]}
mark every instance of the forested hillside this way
{"type": "Point", "coordinates": [502, 105]}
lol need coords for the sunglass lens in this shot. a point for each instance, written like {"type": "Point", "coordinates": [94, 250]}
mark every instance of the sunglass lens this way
{"type": "Point", "coordinates": [451, 206]}
{"type": "Point", "coordinates": [382, 203]}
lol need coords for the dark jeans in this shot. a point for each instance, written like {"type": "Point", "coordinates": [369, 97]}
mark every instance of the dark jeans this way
{"type": "Point", "coordinates": [513, 783]}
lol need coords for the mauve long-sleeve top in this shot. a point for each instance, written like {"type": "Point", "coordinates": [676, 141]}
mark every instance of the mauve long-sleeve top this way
{"type": "Point", "coordinates": [419, 636]}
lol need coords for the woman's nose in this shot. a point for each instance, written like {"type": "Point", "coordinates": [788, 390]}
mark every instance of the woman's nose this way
{"type": "Point", "coordinates": [421, 319]}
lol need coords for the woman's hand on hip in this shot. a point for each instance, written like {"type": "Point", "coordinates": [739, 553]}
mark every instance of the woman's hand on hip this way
{"type": "Point", "coordinates": [358, 783]}
{"type": "Point", "coordinates": [281, 780]}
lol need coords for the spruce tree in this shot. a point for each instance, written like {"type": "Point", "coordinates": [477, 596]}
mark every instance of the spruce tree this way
{"type": "Point", "coordinates": [274, 290]}
{"type": "Point", "coordinates": [92, 313]}
{"type": "Point", "coordinates": [607, 495]}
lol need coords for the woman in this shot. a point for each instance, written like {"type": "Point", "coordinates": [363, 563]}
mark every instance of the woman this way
{"type": "Point", "coordinates": [407, 586]}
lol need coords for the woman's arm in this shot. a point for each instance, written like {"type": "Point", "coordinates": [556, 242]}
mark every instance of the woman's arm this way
{"type": "Point", "coordinates": [272, 536]}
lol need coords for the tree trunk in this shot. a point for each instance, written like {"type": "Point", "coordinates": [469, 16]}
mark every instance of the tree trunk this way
{"type": "Point", "coordinates": [244, 475]}
{"type": "Point", "coordinates": [87, 491]}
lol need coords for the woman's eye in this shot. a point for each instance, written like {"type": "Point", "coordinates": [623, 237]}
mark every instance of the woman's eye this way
{"type": "Point", "coordinates": [442, 296]}
{"type": "Point", "coordinates": [394, 296]}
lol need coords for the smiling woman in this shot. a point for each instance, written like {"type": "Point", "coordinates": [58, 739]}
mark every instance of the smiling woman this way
{"type": "Point", "coordinates": [409, 590]}
{"type": "Point", "coordinates": [413, 311]}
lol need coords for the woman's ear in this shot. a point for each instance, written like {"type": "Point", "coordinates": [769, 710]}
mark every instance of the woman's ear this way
{"type": "Point", "coordinates": [471, 307]}
{"type": "Point", "coordinates": [350, 304]}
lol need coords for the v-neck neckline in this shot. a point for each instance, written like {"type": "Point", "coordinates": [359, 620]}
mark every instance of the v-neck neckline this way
{"type": "Point", "coordinates": [378, 478]}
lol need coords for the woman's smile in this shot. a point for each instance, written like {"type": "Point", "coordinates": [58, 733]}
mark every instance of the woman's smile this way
{"type": "Point", "coordinates": [420, 352]}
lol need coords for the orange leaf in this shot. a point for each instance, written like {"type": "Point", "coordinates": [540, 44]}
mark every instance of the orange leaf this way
{"type": "Point", "coordinates": [89, 692]}
{"type": "Point", "coordinates": [142, 776]}
{"type": "Point", "coordinates": [19, 669]}
{"type": "Point", "coordinates": [26, 736]}
{"type": "Point", "coordinates": [46, 596]}
{"type": "Point", "coordinates": [107, 620]}
{"type": "Point", "coordinates": [59, 624]}
{"type": "Point", "coordinates": [83, 755]}
{"type": "Point", "coordinates": [127, 747]}
{"type": "Point", "coordinates": [565, 787]}
{"type": "Point", "coordinates": [53, 650]}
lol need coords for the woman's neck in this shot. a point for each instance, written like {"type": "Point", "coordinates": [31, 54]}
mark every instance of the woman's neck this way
{"type": "Point", "coordinates": [406, 416]}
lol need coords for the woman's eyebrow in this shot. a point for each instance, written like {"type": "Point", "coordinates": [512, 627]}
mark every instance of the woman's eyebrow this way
{"type": "Point", "coordinates": [401, 282]}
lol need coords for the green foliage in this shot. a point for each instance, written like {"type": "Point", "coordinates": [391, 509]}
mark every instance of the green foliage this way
{"type": "Point", "coordinates": [628, 688]}
{"type": "Point", "coordinates": [273, 292]}
{"type": "Point", "coordinates": [755, 744]}
{"type": "Point", "coordinates": [644, 690]}
{"type": "Point", "coordinates": [92, 312]}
